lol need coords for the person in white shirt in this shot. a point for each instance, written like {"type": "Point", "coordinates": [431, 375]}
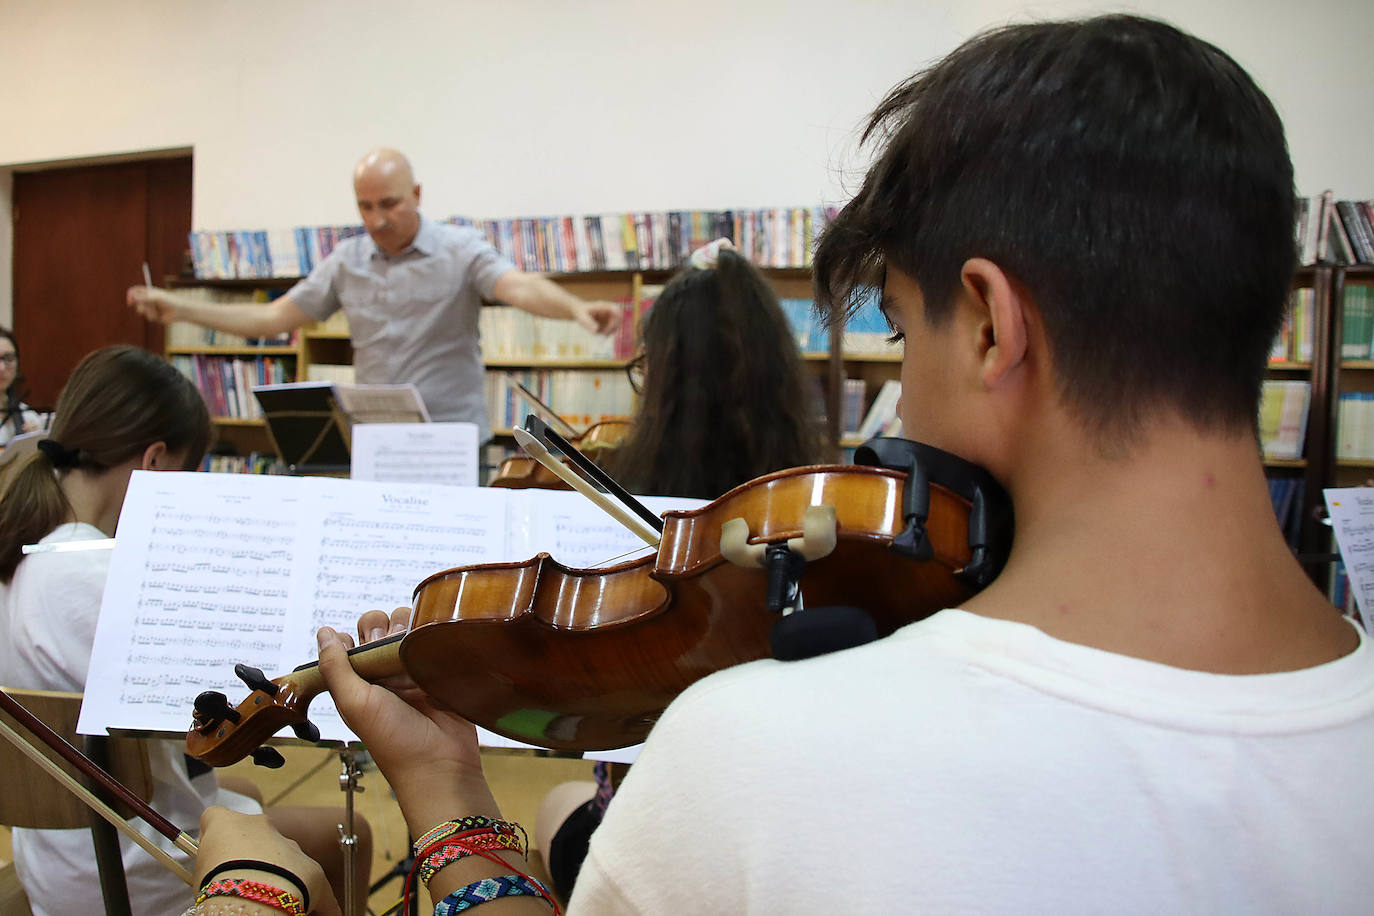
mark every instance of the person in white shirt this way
{"type": "Point", "coordinates": [16, 417]}
{"type": "Point", "coordinates": [1083, 232]}
{"type": "Point", "coordinates": [123, 409]}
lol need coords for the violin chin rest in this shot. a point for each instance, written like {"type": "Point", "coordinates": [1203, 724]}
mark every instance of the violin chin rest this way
{"type": "Point", "coordinates": [819, 630]}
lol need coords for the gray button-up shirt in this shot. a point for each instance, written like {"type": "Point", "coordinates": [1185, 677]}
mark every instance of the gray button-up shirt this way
{"type": "Point", "coordinates": [413, 316]}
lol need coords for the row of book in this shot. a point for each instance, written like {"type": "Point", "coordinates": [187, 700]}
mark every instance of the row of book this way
{"type": "Point", "coordinates": [770, 237]}
{"type": "Point", "coordinates": [1326, 230]}
{"type": "Point", "coordinates": [1355, 425]}
{"type": "Point", "coordinates": [1286, 493]}
{"type": "Point", "coordinates": [1357, 322]}
{"type": "Point", "coordinates": [226, 383]}
{"type": "Point", "coordinates": [1294, 341]}
{"type": "Point", "coordinates": [580, 396]}
{"type": "Point", "coordinates": [512, 335]}
{"type": "Point", "coordinates": [866, 332]}
{"type": "Point", "coordinates": [182, 335]}
{"type": "Point", "coordinates": [774, 237]}
{"type": "Point", "coordinates": [252, 463]}
{"type": "Point", "coordinates": [1284, 406]}
{"type": "Point", "coordinates": [261, 253]}
{"type": "Point", "coordinates": [881, 417]}
{"type": "Point", "coordinates": [1343, 596]}
{"type": "Point", "coordinates": [1335, 231]}
{"type": "Point", "coordinates": [812, 337]}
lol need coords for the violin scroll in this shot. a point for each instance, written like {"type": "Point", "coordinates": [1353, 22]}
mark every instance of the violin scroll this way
{"type": "Point", "coordinates": [221, 734]}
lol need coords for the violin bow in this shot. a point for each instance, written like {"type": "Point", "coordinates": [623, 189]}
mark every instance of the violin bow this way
{"type": "Point", "coordinates": [39, 729]}
{"type": "Point", "coordinates": [534, 399]}
{"type": "Point", "coordinates": [630, 512]}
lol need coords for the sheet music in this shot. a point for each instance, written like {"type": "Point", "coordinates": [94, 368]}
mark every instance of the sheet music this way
{"type": "Point", "coordinates": [416, 453]}
{"type": "Point", "coordinates": [381, 403]}
{"type": "Point", "coordinates": [574, 531]}
{"type": "Point", "coordinates": [214, 569]}
{"type": "Point", "coordinates": [1351, 510]}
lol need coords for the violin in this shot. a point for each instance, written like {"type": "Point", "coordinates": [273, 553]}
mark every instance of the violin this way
{"type": "Point", "coordinates": [520, 472]}
{"type": "Point", "coordinates": [587, 659]}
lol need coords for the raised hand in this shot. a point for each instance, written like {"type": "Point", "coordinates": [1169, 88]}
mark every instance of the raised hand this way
{"type": "Point", "coordinates": [152, 303]}
{"type": "Point", "coordinates": [601, 317]}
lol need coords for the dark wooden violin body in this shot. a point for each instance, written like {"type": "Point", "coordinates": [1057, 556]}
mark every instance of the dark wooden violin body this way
{"type": "Point", "coordinates": [587, 659]}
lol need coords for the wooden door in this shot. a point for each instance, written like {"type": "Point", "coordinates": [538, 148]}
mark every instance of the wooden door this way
{"type": "Point", "coordinates": [81, 237]}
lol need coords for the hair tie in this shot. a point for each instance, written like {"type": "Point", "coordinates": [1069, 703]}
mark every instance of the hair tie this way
{"type": "Point", "coordinates": [705, 257]}
{"type": "Point", "coordinates": [59, 456]}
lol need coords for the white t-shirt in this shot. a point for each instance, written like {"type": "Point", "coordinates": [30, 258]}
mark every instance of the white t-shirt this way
{"type": "Point", "coordinates": [969, 765]}
{"type": "Point", "coordinates": [47, 627]}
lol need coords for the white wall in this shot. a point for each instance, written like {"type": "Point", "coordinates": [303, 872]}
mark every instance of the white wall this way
{"type": "Point", "coordinates": [529, 107]}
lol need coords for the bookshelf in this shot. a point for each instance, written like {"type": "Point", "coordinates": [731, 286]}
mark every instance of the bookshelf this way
{"type": "Point", "coordinates": [321, 345]}
{"type": "Point", "coordinates": [1310, 468]}
{"type": "Point", "coordinates": [1352, 376]}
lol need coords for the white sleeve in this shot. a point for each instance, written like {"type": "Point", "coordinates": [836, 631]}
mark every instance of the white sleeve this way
{"type": "Point", "coordinates": [59, 613]}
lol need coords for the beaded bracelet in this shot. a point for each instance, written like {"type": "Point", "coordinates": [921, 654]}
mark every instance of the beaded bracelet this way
{"type": "Point", "coordinates": [492, 889]}
{"type": "Point", "coordinates": [255, 891]}
{"type": "Point", "coordinates": [462, 825]}
{"type": "Point", "coordinates": [461, 847]}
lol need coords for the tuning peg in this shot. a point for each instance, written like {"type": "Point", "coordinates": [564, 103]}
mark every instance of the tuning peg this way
{"type": "Point", "coordinates": [213, 706]}
{"type": "Point", "coordinates": [268, 757]}
{"type": "Point", "coordinates": [306, 731]}
{"type": "Point", "coordinates": [256, 680]}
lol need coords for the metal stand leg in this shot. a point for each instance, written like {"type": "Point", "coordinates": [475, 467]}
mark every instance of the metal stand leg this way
{"type": "Point", "coordinates": [348, 838]}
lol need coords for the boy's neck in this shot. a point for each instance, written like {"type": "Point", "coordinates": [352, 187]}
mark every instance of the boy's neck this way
{"type": "Point", "coordinates": [1173, 555]}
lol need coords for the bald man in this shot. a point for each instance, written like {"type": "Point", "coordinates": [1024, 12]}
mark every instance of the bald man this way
{"type": "Point", "coordinates": [412, 290]}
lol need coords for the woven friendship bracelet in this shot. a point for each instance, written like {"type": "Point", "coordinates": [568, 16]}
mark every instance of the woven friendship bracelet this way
{"type": "Point", "coordinates": [463, 825]}
{"type": "Point", "coordinates": [491, 889]}
{"type": "Point", "coordinates": [297, 883]}
{"type": "Point", "coordinates": [451, 852]}
{"type": "Point", "coordinates": [255, 891]}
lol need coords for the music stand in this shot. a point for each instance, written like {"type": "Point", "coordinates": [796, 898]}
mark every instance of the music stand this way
{"type": "Point", "coordinates": [310, 423]}
{"type": "Point", "coordinates": [306, 427]}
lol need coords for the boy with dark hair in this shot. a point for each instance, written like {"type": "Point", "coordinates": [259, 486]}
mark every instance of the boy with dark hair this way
{"type": "Point", "coordinates": [1083, 232]}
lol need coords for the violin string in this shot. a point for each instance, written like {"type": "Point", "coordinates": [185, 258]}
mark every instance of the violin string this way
{"type": "Point", "coordinates": [620, 556]}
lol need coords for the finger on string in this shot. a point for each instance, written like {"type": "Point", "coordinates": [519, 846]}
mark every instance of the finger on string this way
{"type": "Point", "coordinates": [343, 682]}
{"type": "Point", "coordinates": [400, 620]}
{"type": "Point", "coordinates": [372, 626]}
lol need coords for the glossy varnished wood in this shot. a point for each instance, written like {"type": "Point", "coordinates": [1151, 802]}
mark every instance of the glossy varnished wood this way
{"type": "Point", "coordinates": [588, 659]}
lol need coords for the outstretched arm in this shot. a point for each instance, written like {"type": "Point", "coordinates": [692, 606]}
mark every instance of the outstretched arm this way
{"type": "Point", "coordinates": [541, 296]}
{"type": "Point", "coordinates": [261, 320]}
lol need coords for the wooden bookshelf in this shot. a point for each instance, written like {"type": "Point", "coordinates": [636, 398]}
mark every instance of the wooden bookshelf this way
{"type": "Point", "coordinates": [328, 343]}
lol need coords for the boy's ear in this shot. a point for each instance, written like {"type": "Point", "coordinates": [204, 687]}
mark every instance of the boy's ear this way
{"type": "Point", "coordinates": [1001, 322]}
{"type": "Point", "coordinates": [155, 457]}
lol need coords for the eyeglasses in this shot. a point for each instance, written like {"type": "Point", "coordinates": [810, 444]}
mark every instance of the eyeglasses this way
{"type": "Point", "coordinates": [9, 359]}
{"type": "Point", "coordinates": [634, 370]}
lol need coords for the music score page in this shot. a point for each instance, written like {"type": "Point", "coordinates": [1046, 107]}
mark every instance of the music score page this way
{"type": "Point", "coordinates": [210, 570]}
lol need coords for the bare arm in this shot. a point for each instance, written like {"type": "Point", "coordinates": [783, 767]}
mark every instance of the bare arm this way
{"type": "Point", "coordinates": [257, 320]}
{"type": "Point", "coordinates": [541, 296]}
{"type": "Point", "coordinates": [428, 753]}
